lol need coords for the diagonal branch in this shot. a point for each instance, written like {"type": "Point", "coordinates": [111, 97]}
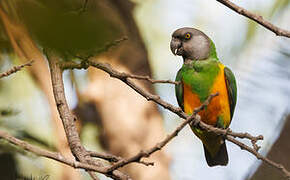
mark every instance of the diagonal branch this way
{"type": "Point", "coordinates": [155, 98]}
{"type": "Point", "coordinates": [169, 137]}
{"type": "Point", "coordinates": [259, 156]}
{"type": "Point", "coordinates": [49, 154]}
{"type": "Point", "coordinates": [14, 69]}
{"type": "Point", "coordinates": [105, 156]}
{"type": "Point", "coordinates": [60, 158]}
{"type": "Point", "coordinates": [259, 19]}
{"type": "Point", "coordinates": [227, 133]}
{"type": "Point", "coordinates": [157, 147]}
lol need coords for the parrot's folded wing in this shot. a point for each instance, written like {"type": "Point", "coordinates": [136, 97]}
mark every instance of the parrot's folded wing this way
{"type": "Point", "coordinates": [232, 89]}
{"type": "Point", "coordinates": [179, 89]}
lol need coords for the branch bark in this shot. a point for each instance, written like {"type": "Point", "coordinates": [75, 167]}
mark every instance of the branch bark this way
{"type": "Point", "coordinates": [161, 144]}
{"type": "Point", "coordinates": [48, 154]}
{"type": "Point", "coordinates": [278, 152]}
{"type": "Point", "coordinates": [84, 156]}
{"type": "Point", "coordinates": [227, 133]}
{"type": "Point", "coordinates": [257, 18]}
{"type": "Point", "coordinates": [68, 119]}
{"type": "Point", "coordinates": [26, 49]}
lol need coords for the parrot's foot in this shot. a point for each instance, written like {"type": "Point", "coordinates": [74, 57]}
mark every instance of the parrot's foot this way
{"type": "Point", "coordinates": [195, 122]}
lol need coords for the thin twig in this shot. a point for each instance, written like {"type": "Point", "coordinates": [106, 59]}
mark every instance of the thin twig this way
{"type": "Point", "coordinates": [105, 156]}
{"type": "Point", "coordinates": [103, 49]}
{"type": "Point", "coordinates": [84, 65]}
{"type": "Point", "coordinates": [153, 81]}
{"type": "Point", "coordinates": [113, 158]}
{"type": "Point", "coordinates": [257, 18]}
{"type": "Point", "coordinates": [14, 69]}
{"type": "Point", "coordinates": [111, 44]}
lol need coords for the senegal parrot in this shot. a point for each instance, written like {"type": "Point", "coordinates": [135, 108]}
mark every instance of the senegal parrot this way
{"type": "Point", "coordinates": [203, 74]}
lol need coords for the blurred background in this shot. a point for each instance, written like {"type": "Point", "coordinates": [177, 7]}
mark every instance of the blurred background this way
{"type": "Point", "coordinates": [112, 117]}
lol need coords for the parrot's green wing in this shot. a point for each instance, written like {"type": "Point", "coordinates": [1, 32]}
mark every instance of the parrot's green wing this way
{"type": "Point", "coordinates": [232, 89]}
{"type": "Point", "coordinates": [179, 89]}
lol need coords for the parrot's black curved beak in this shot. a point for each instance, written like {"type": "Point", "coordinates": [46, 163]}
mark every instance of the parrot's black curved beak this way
{"type": "Point", "coordinates": [176, 46]}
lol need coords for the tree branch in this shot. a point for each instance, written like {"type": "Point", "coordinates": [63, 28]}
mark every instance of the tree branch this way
{"type": "Point", "coordinates": [259, 156]}
{"type": "Point", "coordinates": [227, 133]}
{"type": "Point", "coordinates": [85, 64]}
{"type": "Point", "coordinates": [68, 119]}
{"type": "Point", "coordinates": [105, 156]}
{"type": "Point", "coordinates": [147, 78]}
{"type": "Point", "coordinates": [14, 69]}
{"type": "Point", "coordinates": [259, 19]}
{"type": "Point", "coordinates": [148, 152]}
{"type": "Point", "coordinates": [85, 157]}
{"type": "Point", "coordinates": [58, 157]}
{"type": "Point", "coordinates": [104, 49]}
{"type": "Point", "coordinates": [113, 158]}
{"type": "Point", "coordinates": [48, 154]}
{"type": "Point", "coordinates": [161, 144]}
{"type": "Point", "coordinates": [65, 115]}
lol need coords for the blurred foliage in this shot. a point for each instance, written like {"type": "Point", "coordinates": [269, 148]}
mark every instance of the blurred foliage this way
{"type": "Point", "coordinates": [28, 137]}
{"type": "Point", "coordinates": [64, 26]}
{"type": "Point", "coordinates": [5, 46]}
{"type": "Point", "coordinates": [251, 31]}
{"type": "Point", "coordinates": [277, 7]}
{"type": "Point", "coordinates": [283, 50]}
{"type": "Point", "coordinates": [23, 114]}
{"type": "Point", "coordinates": [21, 134]}
{"type": "Point", "coordinates": [9, 8]}
{"type": "Point", "coordinates": [8, 112]}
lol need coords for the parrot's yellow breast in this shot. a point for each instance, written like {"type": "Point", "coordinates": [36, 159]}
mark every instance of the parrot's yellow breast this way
{"type": "Point", "coordinates": [218, 107]}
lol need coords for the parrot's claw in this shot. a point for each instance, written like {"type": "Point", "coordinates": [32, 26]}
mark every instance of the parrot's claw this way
{"type": "Point", "coordinates": [195, 122]}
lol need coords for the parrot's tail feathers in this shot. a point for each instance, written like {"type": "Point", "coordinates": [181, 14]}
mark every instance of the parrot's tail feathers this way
{"type": "Point", "coordinates": [221, 158]}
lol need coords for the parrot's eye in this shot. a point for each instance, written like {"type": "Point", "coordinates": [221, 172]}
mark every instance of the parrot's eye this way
{"type": "Point", "coordinates": [187, 36]}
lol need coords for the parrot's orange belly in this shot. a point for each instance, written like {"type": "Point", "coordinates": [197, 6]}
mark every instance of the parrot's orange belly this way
{"type": "Point", "coordinates": [219, 106]}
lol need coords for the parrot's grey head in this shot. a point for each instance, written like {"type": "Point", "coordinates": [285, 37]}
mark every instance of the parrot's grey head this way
{"type": "Point", "coordinates": [190, 43]}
